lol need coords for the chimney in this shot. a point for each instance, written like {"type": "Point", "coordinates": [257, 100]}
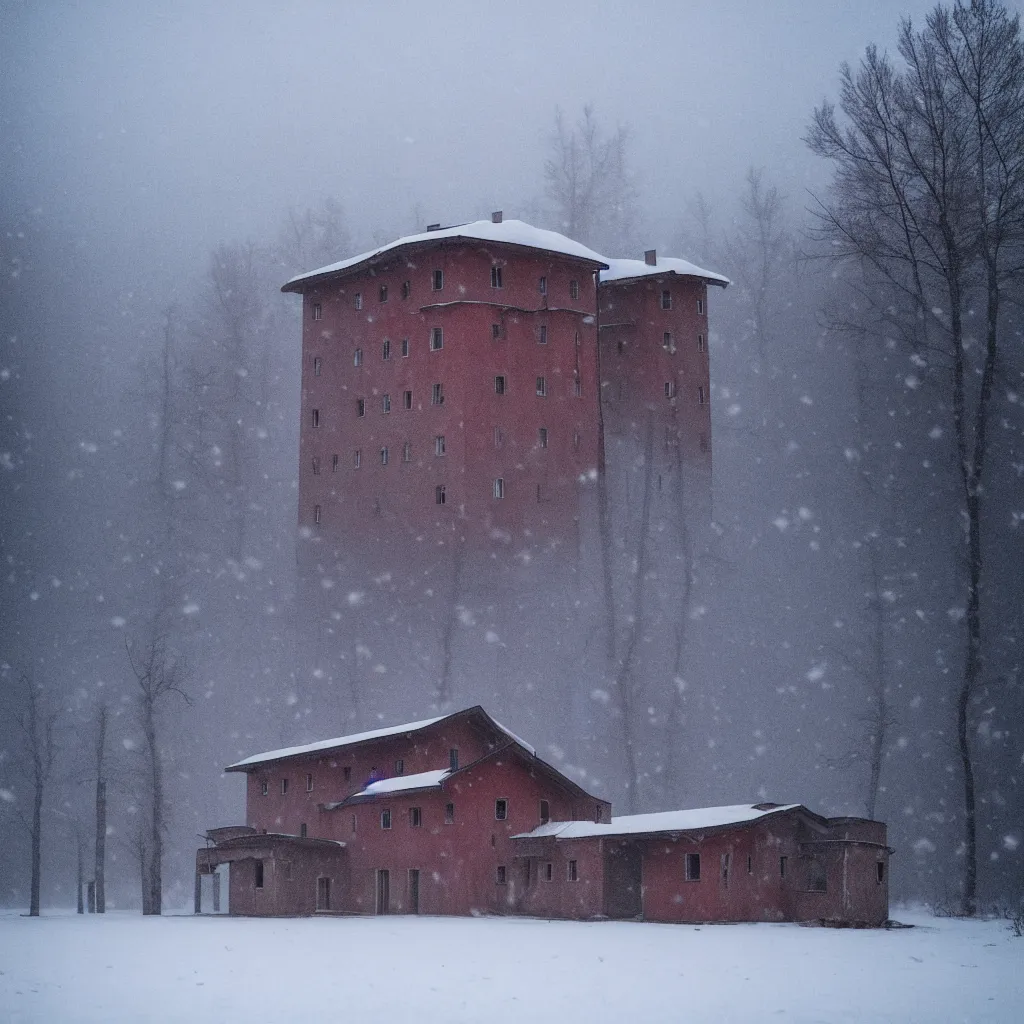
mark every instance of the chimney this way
{"type": "Point", "coordinates": [433, 227]}
{"type": "Point", "coordinates": [496, 217]}
{"type": "Point", "coordinates": [651, 257]}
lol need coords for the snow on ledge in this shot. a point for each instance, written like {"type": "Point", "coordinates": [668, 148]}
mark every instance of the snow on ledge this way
{"type": "Point", "coordinates": [406, 783]}
{"type": "Point", "coordinates": [625, 270]}
{"type": "Point", "coordinates": [659, 821]}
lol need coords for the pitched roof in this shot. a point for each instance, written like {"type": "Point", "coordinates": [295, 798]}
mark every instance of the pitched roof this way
{"type": "Point", "coordinates": [658, 822]}
{"type": "Point", "coordinates": [628, 270]}
{"type": "Point", "coordinates": [406, 783]}
{"type": "Point", "coordinates": [322, 746]}
{"type": "Point", "coordinates": [508, 232]}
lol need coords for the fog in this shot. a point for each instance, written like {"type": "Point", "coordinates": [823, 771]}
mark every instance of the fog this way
{"type": "Point", "coordinates": [137, 141]}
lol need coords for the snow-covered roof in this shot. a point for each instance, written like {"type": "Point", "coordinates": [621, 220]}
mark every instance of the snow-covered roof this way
{"type": "Point", "coordinates": [625, 270]}
{"type": "Point", "coordinates": [659, 821]}
{"type": "Point", "coordinates": [361, 737]}
{"type": "Point", "coordinates": [340, 741]}
{"type": "Point", "coordinates": [510, 232]}
{"type": "Point", "coordinates": [406, 783]}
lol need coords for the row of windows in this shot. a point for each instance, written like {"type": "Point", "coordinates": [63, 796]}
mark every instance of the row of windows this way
{"type": "Point", "coordinates": [437, 284]}
{"type": "Point", "coordinates": [547, 872]}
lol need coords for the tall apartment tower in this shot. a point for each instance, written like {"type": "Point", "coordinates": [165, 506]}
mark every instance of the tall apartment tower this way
{"type": "Point", "coordinates": [468, 380]}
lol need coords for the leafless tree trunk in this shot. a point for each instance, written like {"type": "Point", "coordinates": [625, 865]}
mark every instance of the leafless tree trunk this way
{"type": "Point", "coordinates": [160, 675]}
{"type": "Point", "coordinates": [100, 863]}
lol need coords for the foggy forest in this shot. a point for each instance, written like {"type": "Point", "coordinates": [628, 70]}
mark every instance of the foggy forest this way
{"type": "Point", "coordinates": [842, 628]}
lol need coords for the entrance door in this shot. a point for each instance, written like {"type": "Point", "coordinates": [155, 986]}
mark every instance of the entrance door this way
{"type": "Point", "coordinates": [623, 892]}
{"type": "Point", "coordinates": [414, 890]}
{"type": "Point", "coordinates": [383, 891]}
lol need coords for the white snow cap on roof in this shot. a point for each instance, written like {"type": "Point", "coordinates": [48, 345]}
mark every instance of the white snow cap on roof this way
{"type": "Point", "coordinates": [340, 741]}
{"type": "Point", "coordinates": [404, 783]}
{"type": "Point", "coordinates": [624, 270]}
{"type": "Point", "coordinates": [659, 821]}
{"type": "Point", "coordinates": [512, 232]}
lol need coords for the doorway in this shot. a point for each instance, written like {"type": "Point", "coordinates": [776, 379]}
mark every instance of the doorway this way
{"type": "Point", "coordinates": [414, 890]}
{"type": "Point", "coordinates": [383, 891]}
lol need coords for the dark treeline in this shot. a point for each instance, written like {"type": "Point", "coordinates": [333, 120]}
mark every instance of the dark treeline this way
{"type": "Point", "coordinates": [840, 628]}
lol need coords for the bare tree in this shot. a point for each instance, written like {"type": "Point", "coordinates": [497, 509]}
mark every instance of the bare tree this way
{"type": "Point", "coordinates": [36, 719]}
{"type": "Point", "coordinates": [928, 195]}
{"type": "Point", "coordinates": [161, 676]}
{"type": "Point", "coordinates": [100, 859]}
{"type": "Point", "coordinates": [314, 238]}
{"type": "Point", "coordinates": [588, 181]}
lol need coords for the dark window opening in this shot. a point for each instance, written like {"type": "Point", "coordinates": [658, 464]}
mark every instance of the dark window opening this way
{"type": "Point", "coordinates": [406, 399]}
{"type": "Point", "coordinates": [750, 865]}
{"type": "Point", "coordinates": [543, 285]}
{"type": "Point", "coordinates": [360, 406]}
{"type": "Point", "coordinates": [440, 496]}
{"type": "Point", "coordinates": [783, 862]}
{"type": "Point", "coordinates": [385, 818]}
{"type": "Point", "coordinates": [453, 759]}
{"type": "Point", "coordinates": [316, 466]}
{"type": "Point", "coordinates": [666, 299]}
{"type": "Point", "coordinates": [386, 348]}
{"type": "Point", "coordinates": [700, 307]}
{"type": "Point", "coordinates": [400, 767]}
{"type": "Point", "coordinates": [549, 872]}
{"type": "Point", "coordinates": [542, 386]}
{"type": "Point", "coordinates": [499, 385]}
{"type": "Point", "coordinates": [880, 872]}
{"type": "Point", "coordinates": [436, 339]}
{"type": "Point", "coordinates": [316, 513]}
{"type": "Point", "coordinates": [259, 874]}
{"type": "Point", "coordinates": [359, 300]}
{"type": "Point", "coordinates": [726, 865]}
{"type": "Point", "coordinates": [406, 291]}
{"type": "Point", "coordinates": [323, 894]}
{"type": "Point", "coordinates": [438, 280]}
{"type": "Point", "coordinates": [495, 331]}
{"type": "Point", "coordinates": [357, 357]}
{"type": "Point", "coordinates": [383, 293]}
{"type": "Point", "coordinates": [315, 418]}
{"type": "Point", "coordinates": [495, 277]}
{"type": "Point", "coordinates": [317, 366]}
{"type": "Point", "coordinates": [817, 876]}
{"type": "Point", "coordinates": [437, 394]}
{"type": "Point", "coordinates": [574, 875]}
{"type": "Point", "coordinates": [302, 831]}
{"type": "Point", "coordinates": [284, 786]}
{"type": "Point", "coordinates": [574, 289]}
{"type": "Point", "coordinates": [500, 809]}
{"type": "Point", "coordinates": [334, 463]}
{"type": "Point", "coordinates": [693, 867]}
{"type": "Point", "coordinates": [545, 812]}
{"type": "Point", "coordinates": [317, 311]}
{"type": "Point", "coordinates": [449, 814]}
{"type": "Point", "coordinates": [499, 877]}
{"type": "Point", "coordinates": [542, 336]}
{"type": "Point", "coordinates": [415, 817]}
{"type": "Point", "coordinates": [309, 782]}
{"type": "Point", "coordinates": [542, 436]}
{"type": "Point", "coordinates": [264, 788]}
{"type": "Point", "coordinates": [346, 773]}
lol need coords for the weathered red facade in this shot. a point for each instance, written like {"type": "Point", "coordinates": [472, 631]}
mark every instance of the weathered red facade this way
{"type": "Point", "coordinates": [458, 816]}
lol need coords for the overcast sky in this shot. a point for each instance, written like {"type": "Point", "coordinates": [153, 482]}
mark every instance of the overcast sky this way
{"type": "Point", "coordinates": [148, 133]}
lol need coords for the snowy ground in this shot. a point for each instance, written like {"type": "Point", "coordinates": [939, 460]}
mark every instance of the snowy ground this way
{"type": "Point", "coordinates": [63, 968]}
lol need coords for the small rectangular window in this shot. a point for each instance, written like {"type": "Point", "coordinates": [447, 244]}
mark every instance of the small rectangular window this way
{"type": "Point", "coordinates": [495, 331]}
{"type": "Point", "coordinates": [284, 786]}
{"type": "Point", "coordinates": [666, 299]}
{"type": "Point", "coordinates": [303, 831]}
{"type": "Point", "coordinates": [439, 444]}
{"type": "Point", "coordinates": [499, 487]}
{"type": "Point", "coordinates": [783, 864]}
{"type": "Point", "coordinates": [700, 342]}
{"type": "Point", "coordinates": [383, 293]}
{"type": "Point", "coordinates": [360, 406]}
{"type": "Point", "coordinates": [577, 388]}
{"type": "Point", "coordinates": [542, 285]}
{"type": "Point", "coordinates": [385, 403]}
{"type": "Point", "coordinates": [407, 451]}
{"type": "Point", "coordinates": [576, 440]}
{"type": "Point", "coordinates": [353, 824]}
{"type": "Point", "coordinates": [542, 336]}
{"type": "Point", "coordinates": [499, 876]}
{"type": "Point", "coordinates": [542, 436]}
{"type": "Point", "coordinates": [315, 418]}
{"type": "Point", "coordinates": [400, 767]}
{"type": "Point", "coordinates": [334, 463]}
{"type": "Point", "coordinates": [499, 384]}
{"type": "Point", "coordinates": [438, 280]}
{"type": "Point", "coordinates": [357, 458]}
{"type": "Point", "coordinates": [415, 817]}
{"type": "Point", "coordinates": [726, 864]}
{"type": "Point", "coordinates": [437, 395]}
{"type": "Point", "coordinates": [359, 300]}
{"type": "Point", "coordinates": [693, 867]}
{"type": "Point", "coordinates": [405, 347]}
{"type": "Point", "coordinates": [666, 342]}
{"type": "Point", "coordinates": [574, 289]}
{"type": "Point", "coordinates": [317, 365]}
{"type": "Point", "coordinates": [385, 818]}
{"type": "Point", "coordinates": [384, 456]}
{"type": "Point", "coordinates": [453, 759]}
{"type": "Point", "coordinates": [317, 311]}
{"type": "Point", "coordinates": [449, 814]}
{"type": "Point", "coordinates": [357, 357]}
{"type": "Point", "coordinates": [406, 289]}
{"type": "Point", "coordinates": [258, 875]}
{"type": "Point", "coordinates": [750, 864]}
{"type": "Point", "coordinates": [386, 348]}
{"type": "Point", "coordinates": [542, 386]}
{"type": "Point", "coordinates": [880, 872]}
{"type": "Point", "coordinates": [620, 346]}
{"type": "Point", "coordinates": [670, 389]}
{"type": "Point", "coordinates": [436, 339]}
{"type": "Point", "coordinates": [700, 307]}
{"type": "Point", "coordinates": [545, 812]}
{"type": "Point", "coordinates": [495, 277]}
{"type": "Point", "coordinates": [500, 810]}
{"type": "Point", "coordinates": [316, 466]}
{"type": "Point", "coordinates": [574, 874]}
{"type": "Point", "coordinates": [499, 437]}
{"type": "Point", "coordinates": [323, 894]}
{"type": "Point", "coordinates": [346, 773]}
{"type": "Point", "coordinates": [316, 514]}
{"type": "Point", "coordinates": [549, 872]}
{"type": "Point", "coordinates": [264, 787]}
{"type": "Point", "coordinates": [406, 399]}
{"type": "Point", "coordinates": [439, 494]}
{"type": "Point", "coordinates": [309, 782]}
{"type": "Point", "coordinates": [701, 397]}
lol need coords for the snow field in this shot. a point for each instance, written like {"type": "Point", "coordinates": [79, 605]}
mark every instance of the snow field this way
{"type": "Point", "coordinates": [125, 968]}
